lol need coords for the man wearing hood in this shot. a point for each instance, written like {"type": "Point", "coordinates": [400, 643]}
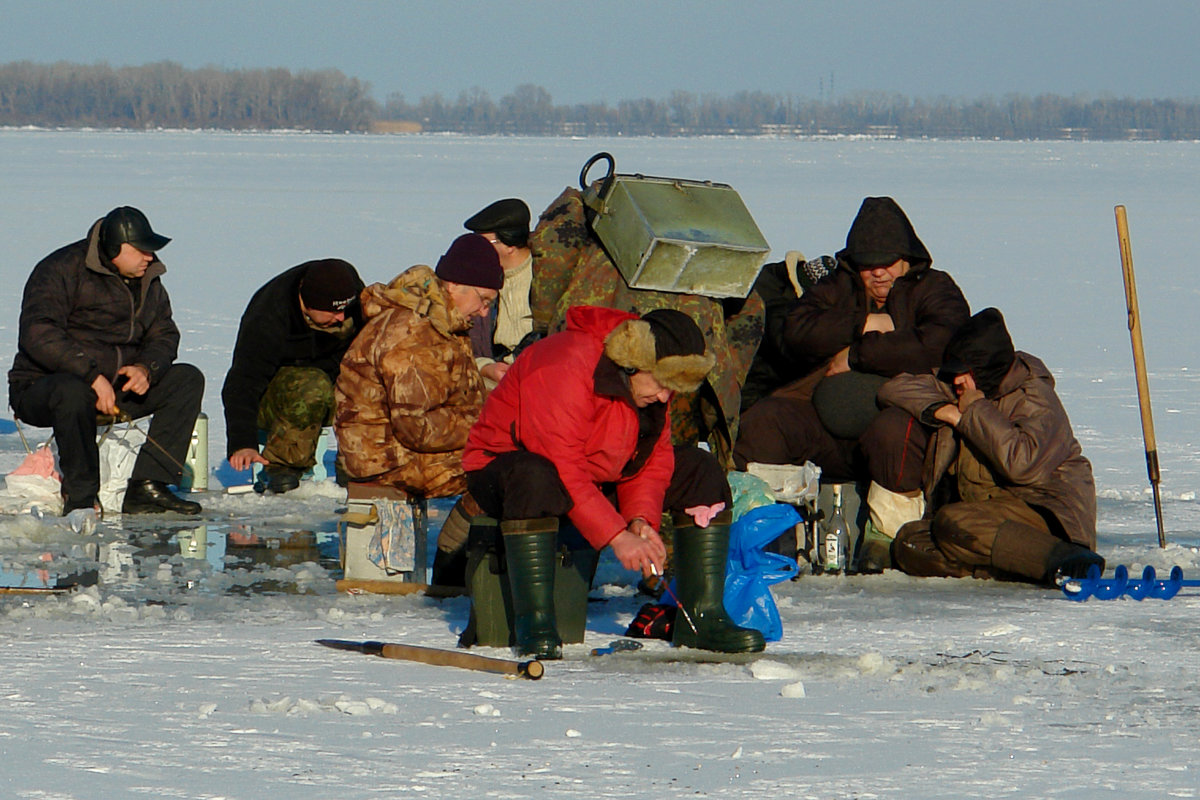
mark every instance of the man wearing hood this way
{"type": "Point", "coordinates": [580, 429]}
{"type": "Point", "coordinates": [290, 343]}
{"type": "Point", "coordinates": [884, 310]}
{"type": "Point", "coordinates": [1010, 493]}
{"type": "Point", "coordinates": [408, 390]}
{"type": "Point", "coordinates": [97, 337]}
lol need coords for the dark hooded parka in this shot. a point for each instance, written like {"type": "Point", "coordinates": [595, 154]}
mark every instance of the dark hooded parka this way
{"type": "Point", "coordinates": [925, 306]}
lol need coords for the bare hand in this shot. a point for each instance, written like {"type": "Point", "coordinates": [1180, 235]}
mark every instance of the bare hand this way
{"type": "Point", "coordinates": [948, 413]}
{"type": "Point", "coordinates": [106, 398]}
{"type": "Point", "coordinates": [968, 397]}
{"type": "Point", "coordinates": [839, 364]}
{"type": "Point", "coordinates": [494, 371]}
{"type": "Point", "coordinates": [968, 392]}
{"type": "Point", "coordinates": [881, 323]}
{"type": "Point", "coordinates": [242, 459]}
{"type": "Point", "coordinates": [641, 552]}
{"type": "Point", "coordinates": [137, 378]}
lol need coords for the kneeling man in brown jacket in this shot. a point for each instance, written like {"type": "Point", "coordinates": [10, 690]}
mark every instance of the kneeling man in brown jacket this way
{"type": "Point", "coordinates": [1009, 492]}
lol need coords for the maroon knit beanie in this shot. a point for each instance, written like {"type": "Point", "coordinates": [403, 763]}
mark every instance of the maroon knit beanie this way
{"type": "Point", "coordinates": [471, 261]}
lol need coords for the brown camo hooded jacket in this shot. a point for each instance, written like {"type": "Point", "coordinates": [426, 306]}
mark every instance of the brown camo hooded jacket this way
{"type": "Point", "coordinates": [408, 391]}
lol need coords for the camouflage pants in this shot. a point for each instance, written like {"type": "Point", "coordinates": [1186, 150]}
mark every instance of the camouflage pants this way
{"type": "Point", "coordinates": [298, 402]}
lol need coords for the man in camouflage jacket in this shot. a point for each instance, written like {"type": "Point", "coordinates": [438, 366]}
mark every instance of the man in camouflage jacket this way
{"type": "Point", "coordinates": [408, 391]}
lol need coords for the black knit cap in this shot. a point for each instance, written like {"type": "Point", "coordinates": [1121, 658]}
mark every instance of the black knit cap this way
{"type": "Point", "coordinates": [329, 284]}
{"type": "Point", "coordinates": [508, 219]}
{"type": "Point", "coordinates": [128, 224]}
{"type": "Point", "coordinates": [471, 261]}
{"type": "Point", "coordinates": [981, 347]}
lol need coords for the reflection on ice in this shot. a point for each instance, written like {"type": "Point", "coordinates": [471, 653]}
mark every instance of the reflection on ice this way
{"type": "Point", "coordinates": [170, 560]}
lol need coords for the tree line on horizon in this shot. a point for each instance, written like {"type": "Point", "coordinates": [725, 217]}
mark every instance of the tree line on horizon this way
{"type": "Point", "coordinates": [166, 95]}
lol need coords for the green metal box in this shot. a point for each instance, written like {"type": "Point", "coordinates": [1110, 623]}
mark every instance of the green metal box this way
{"type": "Point", "coordinates": [676, 235]}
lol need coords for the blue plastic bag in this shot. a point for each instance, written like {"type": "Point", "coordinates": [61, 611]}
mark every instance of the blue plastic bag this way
{"type": "Point", "coordinates": [750, 570]}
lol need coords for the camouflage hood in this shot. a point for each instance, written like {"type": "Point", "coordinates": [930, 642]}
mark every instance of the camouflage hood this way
{"type": "Point", "coordinates": [419, 290]}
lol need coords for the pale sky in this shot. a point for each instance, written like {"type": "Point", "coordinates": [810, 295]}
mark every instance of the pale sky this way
{"type": "Point", "coordinates": [627, 49]}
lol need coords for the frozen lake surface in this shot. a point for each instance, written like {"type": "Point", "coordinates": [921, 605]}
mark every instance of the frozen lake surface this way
{"type": "Point", "coordinates": [172, 682]}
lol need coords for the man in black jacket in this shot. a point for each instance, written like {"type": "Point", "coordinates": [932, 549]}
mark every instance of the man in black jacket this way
{"type": "Point", "coordinates": [290, 344]}
{"type": "Point", "coordinates": [884, 310]}
{"type": "Point", "coordinates": [96, 337]}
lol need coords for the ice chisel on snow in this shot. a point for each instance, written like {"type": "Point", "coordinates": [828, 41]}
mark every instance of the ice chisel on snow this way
{"type": "Point", "coordinates": [1139, 367]}
{"type": "Point", "coordinates": [1119, 584]}
{"type": "Point", "coordinates": [533, 670]}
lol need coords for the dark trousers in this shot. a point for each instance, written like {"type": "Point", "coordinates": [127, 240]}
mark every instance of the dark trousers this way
{"type": "Point", "coordinates": [67, 404]}
{"type": "Point", "coordinates": [786, 430]}
{"type": "Point", "coordinates": [1003, 537]}
{"type": "Point", "coordinates": [524, 485]}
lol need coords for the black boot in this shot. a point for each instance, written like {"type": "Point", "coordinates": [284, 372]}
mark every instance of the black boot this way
{"type": "Point", "coordinates": [277, 480]}
{"type": "Point", "coordinates": [700, 555]}
{"type": "Point", "coordinates": [529, 546]}
{"type": "Point", "coordinates": [153, 497]}
{"type": "Point", "coordinates": [1075, 565]}
{"type": "Point", "coordinates": [450, 558]}
{"type": "Point", "coordinates": [1039, 556]}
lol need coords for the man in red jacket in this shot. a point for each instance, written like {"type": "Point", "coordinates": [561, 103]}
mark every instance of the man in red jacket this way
{"type": "Point", "coordinates": [579, 428]}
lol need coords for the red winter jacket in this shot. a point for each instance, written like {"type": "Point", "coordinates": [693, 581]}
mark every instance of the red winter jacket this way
{"type": "Point", "coordinates": [564, 400]}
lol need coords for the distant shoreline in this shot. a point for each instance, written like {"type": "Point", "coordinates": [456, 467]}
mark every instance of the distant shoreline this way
{"type": "Point", "coordinates": [166, 95]}
{"type": "Point", "coordinates": [817, 137]}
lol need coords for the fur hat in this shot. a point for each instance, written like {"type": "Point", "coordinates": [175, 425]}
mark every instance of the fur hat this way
{"type": "Point", "coordinates": [667, 344]}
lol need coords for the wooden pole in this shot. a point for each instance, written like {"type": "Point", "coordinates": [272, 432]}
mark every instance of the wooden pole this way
{"type": "Point", "coordinates": [532, 670]}
{"type": "Point", "coordinates": [1139, 368]}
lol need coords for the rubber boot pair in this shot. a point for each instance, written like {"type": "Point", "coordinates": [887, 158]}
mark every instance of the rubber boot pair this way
{"type": "Point", "coordinates": [530, 551]}
{"type": "Point", "coordinates": [700, 558]}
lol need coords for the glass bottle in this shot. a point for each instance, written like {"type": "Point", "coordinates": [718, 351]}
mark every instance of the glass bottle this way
{"type": "Point", "coordinates": [835, 544]}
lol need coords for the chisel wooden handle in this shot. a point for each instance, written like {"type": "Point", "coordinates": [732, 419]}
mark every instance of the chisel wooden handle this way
{"type": "Point", "coordinates": [456, 658]}
{"type": "Point", "coordinates": [533, 670]}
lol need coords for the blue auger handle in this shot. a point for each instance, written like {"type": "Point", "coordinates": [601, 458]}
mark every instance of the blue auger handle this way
{"type": "Point", "coordinates": [1093, 585]}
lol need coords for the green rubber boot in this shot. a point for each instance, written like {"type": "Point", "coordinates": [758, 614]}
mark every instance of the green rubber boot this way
{"type": "Point", "coordinates": [700, 555]}
{"type": "Point", "coordinates": [529, 546]}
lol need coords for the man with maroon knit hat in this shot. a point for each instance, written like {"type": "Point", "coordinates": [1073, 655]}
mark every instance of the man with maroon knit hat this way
{"type": "Point", "coordinates": [290, 343]}
{"type": "Point", "coordinates": [409, 391]}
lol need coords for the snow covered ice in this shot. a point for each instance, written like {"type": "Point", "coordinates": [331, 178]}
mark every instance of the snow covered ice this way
{"type": "Point", "coordinates": [182, 677]}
